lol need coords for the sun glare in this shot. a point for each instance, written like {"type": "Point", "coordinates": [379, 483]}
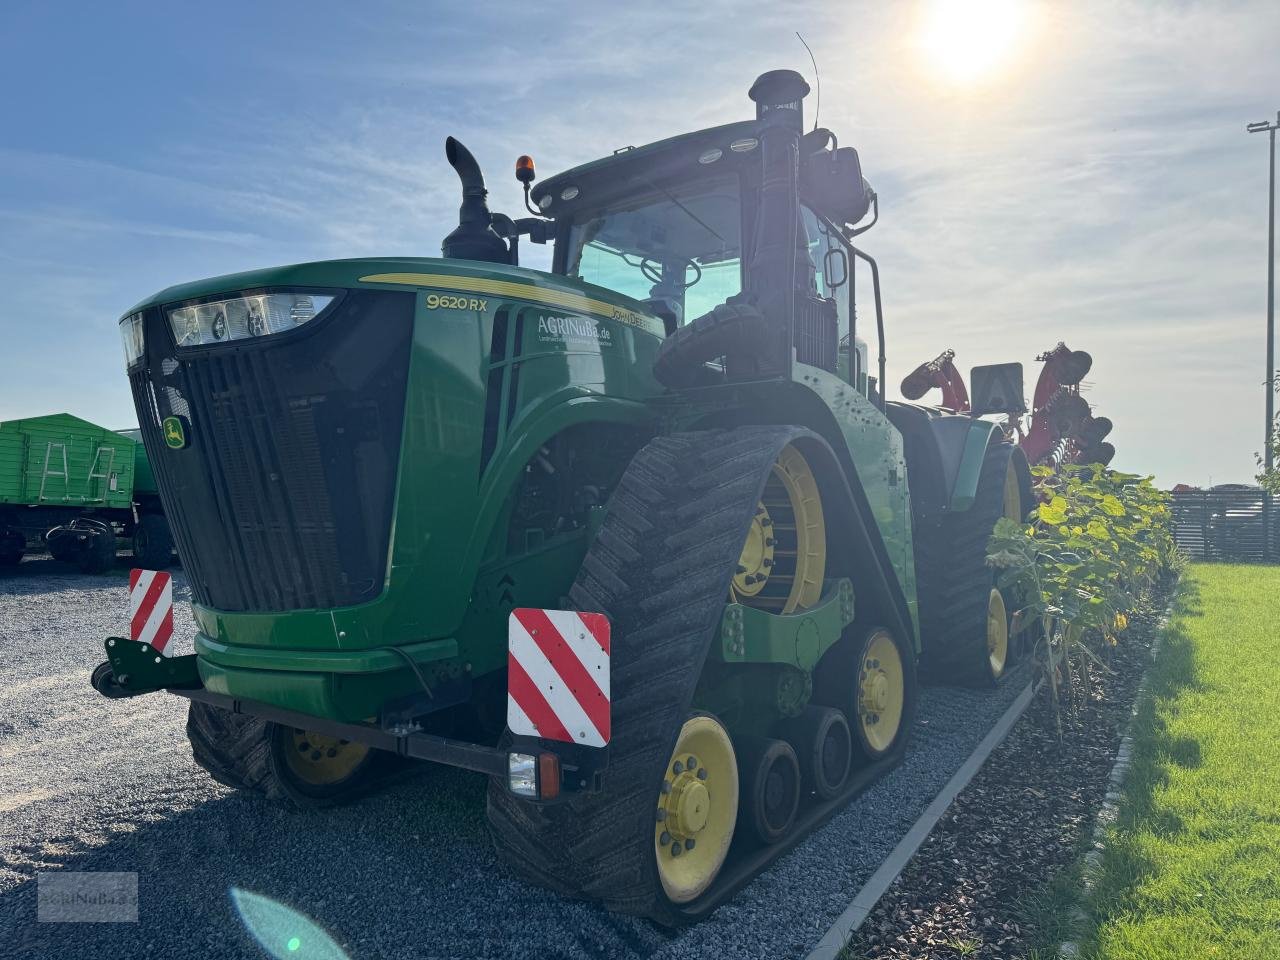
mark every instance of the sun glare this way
{"type": "Point", "coordinates": [967, 41]}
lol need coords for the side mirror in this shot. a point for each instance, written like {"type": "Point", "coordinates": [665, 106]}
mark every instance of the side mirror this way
{"type": "Point", "coordinates": [831, 181]}
{"type": "Point", "coordinates": [997, 388]}
{"type": "Point", "coordinates": [835, 268]}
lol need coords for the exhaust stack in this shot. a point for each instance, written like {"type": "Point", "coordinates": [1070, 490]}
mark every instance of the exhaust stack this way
{"type": "Point", "coordinates": [778, 259]}
{"type": "Point", "coordinates": [474, 238]}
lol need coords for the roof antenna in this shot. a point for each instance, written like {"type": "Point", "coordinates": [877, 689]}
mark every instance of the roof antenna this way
{"type": "Point", "coordinates": [817, 83]}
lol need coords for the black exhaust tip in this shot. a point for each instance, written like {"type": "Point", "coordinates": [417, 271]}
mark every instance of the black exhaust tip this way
{"type": "Point", "coordinates": [474, 238]}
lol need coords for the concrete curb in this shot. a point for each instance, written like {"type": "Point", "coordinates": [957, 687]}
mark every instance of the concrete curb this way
{"type": "Point", "coordinates": [1109, 812]}
{"type": "Point", "coordinates": [834, 940]}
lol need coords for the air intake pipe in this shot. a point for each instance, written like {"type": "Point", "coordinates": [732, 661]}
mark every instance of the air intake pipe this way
{"type": "Point", "coordinates": [474, 238]}
{"type": "Point", "coordinates": [775, 260]}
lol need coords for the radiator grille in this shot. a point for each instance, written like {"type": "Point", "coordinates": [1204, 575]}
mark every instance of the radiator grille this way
{"type": "Point", "coordinates": [283, 497]}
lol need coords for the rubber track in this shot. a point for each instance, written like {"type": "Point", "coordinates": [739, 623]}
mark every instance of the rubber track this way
{"type": "Point", "coordinates": [954, 582]}
{"type": "Point", "coordinates": [660, 569]}
{"type": "Point", "coordinates": [234, 749]}
{"type": "Point", "coordinates": [736, 325]}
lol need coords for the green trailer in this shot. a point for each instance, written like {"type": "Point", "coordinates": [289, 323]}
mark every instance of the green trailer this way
{"type": "Point", "coordinates": [76, 488]}
{"type": "Point", "coordinates": [639, 537]}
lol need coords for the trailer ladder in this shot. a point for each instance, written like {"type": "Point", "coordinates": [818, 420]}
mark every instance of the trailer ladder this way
{"type": "Point", "coordinates": [104, 474]}
{"type": "Point", "coordinates": [48, 474]}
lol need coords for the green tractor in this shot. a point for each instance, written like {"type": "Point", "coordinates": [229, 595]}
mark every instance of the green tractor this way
{"type": "Point", "coordinates": [638, 537]}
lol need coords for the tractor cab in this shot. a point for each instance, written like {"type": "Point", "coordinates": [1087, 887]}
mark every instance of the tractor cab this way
{"type": "Point", "coordinates": [681, 225]}
{"type": "Point", "coordinates": [755, 212]}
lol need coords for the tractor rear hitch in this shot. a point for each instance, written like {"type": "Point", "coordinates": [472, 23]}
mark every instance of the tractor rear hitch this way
{"type": "Point", "coordinates": [533, 769]}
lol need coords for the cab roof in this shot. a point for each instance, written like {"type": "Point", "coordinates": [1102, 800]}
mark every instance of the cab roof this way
{"type": "Point", "coordinates": [631, 168]}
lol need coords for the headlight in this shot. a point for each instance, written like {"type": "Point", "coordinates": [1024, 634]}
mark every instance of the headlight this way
{"type": "Point", "coordinates": [131, 334]}
{"type": "Point", "coordinates": [241, 318]}
{"type": "Point", "coordinates": [522, 774]}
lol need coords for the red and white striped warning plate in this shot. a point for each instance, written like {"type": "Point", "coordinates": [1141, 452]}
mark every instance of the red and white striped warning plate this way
{"type": "Point", "coordinates": [558, 675]}
{"type": "Point", "coordinates": [151, 608]}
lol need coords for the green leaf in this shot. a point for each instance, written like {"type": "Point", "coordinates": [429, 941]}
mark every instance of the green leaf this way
{"type": "Point", "coordinates": [1112, 507]}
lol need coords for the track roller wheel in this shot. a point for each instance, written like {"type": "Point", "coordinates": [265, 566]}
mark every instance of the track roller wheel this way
{"type": "Point", "coordinates": [823, 745]}
{"type": "Point", "coordinates": [697, 809]}
{"type": "Point", "coordinates": [883, 698]}
{"type": "Point", "coordinates": [770, 785]}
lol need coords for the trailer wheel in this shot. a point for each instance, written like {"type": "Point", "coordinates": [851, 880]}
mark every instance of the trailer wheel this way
{"type": "Point", "coordinates": [99, 553]}
{"type": "Point", "coordinates": [12, 546]}
{"type": "Point", "coordinates": [278, 762]}
{"type": "Point", "coordinates": [964, 616]}
{"type": "Point", "coordinates": [152, 542]}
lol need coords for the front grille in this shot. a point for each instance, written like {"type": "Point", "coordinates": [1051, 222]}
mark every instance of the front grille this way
{"type": "Point", "coordinates": [283, 497]}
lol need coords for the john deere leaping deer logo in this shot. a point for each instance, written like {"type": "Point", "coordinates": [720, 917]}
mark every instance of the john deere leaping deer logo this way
{"type": "Point", "coordinates": [175, 435]}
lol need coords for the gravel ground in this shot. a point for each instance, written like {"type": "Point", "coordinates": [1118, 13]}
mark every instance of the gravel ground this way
{"type": "Point", "coordinates": [98, 785]}
{"type": "Point", "coordinates": [979, 886]}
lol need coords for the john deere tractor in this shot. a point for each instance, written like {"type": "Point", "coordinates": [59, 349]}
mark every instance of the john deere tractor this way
{"type": "Point", "coordinates": [638, 537]}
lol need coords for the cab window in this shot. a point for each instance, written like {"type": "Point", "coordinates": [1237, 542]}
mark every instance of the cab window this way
{"type": "Point", "coordinates": [827, 256]}
{"type": "Point", "coordinates": [681, 245]}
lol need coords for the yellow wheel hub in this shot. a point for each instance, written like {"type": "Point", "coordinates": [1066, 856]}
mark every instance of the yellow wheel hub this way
{"type": "Point", "coordinates": [756, 561]}
{"type": "Point", "coordinates": [692, 804]}
{"type": "Point", "coordinates": [881, 692]}
{"type": "Point", "coordinates": [1013, 494]}
{"type": "Point", "coordinates": [319, 760]}
{"type": "Point", "coordinates": [697, 809]}
{"type": "Point", "coordinates": [784, 556]}
{"type": "Point", "coordinates": [997, 633]}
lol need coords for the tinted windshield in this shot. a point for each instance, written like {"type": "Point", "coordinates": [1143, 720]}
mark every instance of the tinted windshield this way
{"type": "Point", "coordinates": [682, 244]}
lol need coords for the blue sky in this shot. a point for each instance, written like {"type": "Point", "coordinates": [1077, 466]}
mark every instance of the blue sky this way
{"type": "Point", "coordinates": [1096, 185]}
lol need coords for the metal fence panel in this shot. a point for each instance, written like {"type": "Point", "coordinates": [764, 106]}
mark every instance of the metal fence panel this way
{"type": "Point", "coordinates": [1236, 526]}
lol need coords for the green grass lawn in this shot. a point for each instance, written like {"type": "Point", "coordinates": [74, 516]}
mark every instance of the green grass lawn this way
{"type": "Point", "coordinates": [1192, 868]}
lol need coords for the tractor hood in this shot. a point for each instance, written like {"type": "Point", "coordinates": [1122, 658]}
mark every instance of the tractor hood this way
{"type": "Point", "coordinates": [459, 275]}
{"type": "Point", "coordinates": [271, 401]}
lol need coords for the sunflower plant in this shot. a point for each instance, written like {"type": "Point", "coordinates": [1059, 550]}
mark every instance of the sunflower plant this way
{"type": "Point", "coordinates": [1080, 564]}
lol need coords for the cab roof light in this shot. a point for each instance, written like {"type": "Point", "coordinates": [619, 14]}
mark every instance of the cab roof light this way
{"type": "Point", "coordinates": [525, 173]}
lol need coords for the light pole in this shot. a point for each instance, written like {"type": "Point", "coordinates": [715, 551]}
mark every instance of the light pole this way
{"type": "Point", "coordinates": [1271, 128]}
